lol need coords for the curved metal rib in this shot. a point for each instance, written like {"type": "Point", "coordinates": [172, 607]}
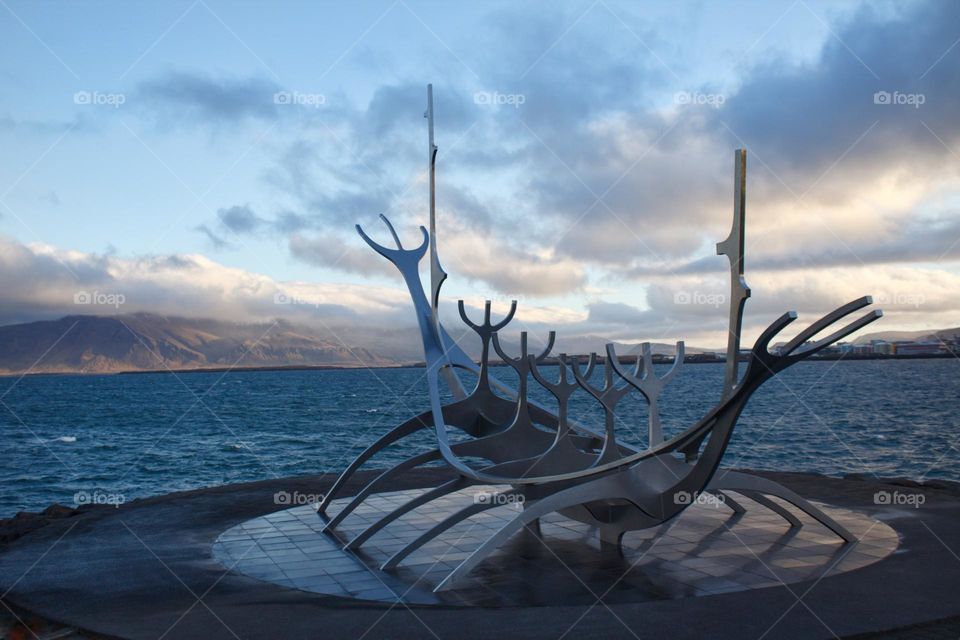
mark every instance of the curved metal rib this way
{"type": "Point", "coordinates": [763, 366]}
{"type": "Point", "coordinates": [412, 425]}
{"type": "Point", "coordinates": [728, 500]}
{"type": "Point", "coordinates": [409, 463]}
{"type": "Point", "coordinates": [748, 483]}
{"type": "Point", "coordinates": [446, 488]}
{"type": "Point", "coordinates": [781, 511]}
{"type": "Point", "coordinates": [458, 516]}
{"type": "Point", "coordinates": [576, 495]}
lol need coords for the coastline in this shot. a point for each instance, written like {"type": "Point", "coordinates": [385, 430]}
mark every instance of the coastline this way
{"type": "Point", "coordinates": [658, 359]}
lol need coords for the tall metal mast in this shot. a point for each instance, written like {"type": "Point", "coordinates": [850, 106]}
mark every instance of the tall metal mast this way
{"type": "Point", "coordinates": [733, 248]}
{"type": "Point", "coordinates": [437, 274]}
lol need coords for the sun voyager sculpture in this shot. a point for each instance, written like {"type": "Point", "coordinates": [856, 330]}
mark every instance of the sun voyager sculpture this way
{"type": "Point", "coordinates": [546, 462]}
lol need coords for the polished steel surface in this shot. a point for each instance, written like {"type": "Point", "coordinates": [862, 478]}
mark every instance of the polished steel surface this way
{"type": "Point", "coordinates": [550, 465]}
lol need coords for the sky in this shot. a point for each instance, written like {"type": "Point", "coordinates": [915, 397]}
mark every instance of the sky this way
{"type": "Point", "coordinates": [211, 159]}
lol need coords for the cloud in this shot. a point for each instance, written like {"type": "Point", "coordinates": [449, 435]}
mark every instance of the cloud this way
{"type": "Point", "coordinates": [187, 98]}
{"type": "Point", "coordinates": [45, 280]}
{"type": "Point", "coordinates": [597, 178]}
{"type": "Point", "coordinates": [616, 313]}
{"type": "Point", "coordinates": [239, 219]}
{"type": "Point", "coordinates": [233, 221]}
{"type": "Point", "coordinates": [216, 241]}
{"type": "Point", "coordinates": [334, 252]}
{"type": "Point", "coordinates": [802, 119]}
{"type": "Point", "coordinates": [505, 268]}
{"type": "Point", "coordinates": [46, 127]}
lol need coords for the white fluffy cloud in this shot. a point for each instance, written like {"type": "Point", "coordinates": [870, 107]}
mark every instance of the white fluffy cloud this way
{"type": "Point", "coordinates": [44, 281]}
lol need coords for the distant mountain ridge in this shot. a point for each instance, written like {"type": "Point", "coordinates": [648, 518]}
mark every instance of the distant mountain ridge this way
{"type": "Point", "coordinates": [149, 342]}
{"type": "Point", "coordinates": [144, 342]}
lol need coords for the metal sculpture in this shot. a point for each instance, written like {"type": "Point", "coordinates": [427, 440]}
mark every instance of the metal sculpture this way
{"type": "Point", "coordinates": [553, 464]}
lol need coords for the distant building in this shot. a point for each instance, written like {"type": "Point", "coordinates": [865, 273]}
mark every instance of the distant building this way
{"type": "Point", "coordinates": [882, 348]}
{"type": "Point", "coordinates": [918, 348]}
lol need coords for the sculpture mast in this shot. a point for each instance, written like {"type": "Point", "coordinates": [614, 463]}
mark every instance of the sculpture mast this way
{"type": "Point", "coordinates": [437, 274]}
{"type": "Point", "coordinates": [733, 248]}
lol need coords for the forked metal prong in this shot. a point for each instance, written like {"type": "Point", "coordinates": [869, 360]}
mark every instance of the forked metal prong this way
{"type": "Point", "coordinates": [646, 381]}
{"type": "Point", "coordinates": [857, 324]}
{"type": "Point", "coordinates": [763, 342]}
{"type": "Point", "coordinates": [398, 254]}
{"type": "Point", "coordinates": [487, 329]}
{"type": "Point", "coordinates": [824, 322]}
{"type": "Point", "coordinates": [393, 231]}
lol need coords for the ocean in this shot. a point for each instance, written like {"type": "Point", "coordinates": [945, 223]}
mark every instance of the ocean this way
{"type": "Point", "coordinates": [80, 438]}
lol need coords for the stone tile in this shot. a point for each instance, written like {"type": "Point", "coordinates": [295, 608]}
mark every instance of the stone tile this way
{"type": "Point", "coordinates": [704, 552]}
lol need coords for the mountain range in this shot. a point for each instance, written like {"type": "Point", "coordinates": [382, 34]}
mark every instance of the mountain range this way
{"type": "Point", "coordinates": [144, 342]}
{"type": "Point", "coordinates": [148, 342]}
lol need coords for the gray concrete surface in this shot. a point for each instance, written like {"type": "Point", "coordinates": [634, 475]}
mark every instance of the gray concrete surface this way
{"type": "Point", "coordinates": [145, 570]}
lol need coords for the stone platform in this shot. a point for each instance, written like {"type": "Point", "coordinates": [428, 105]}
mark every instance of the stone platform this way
{"type": "Point", "coordinates": [708, 550]}
{"type": "Point", "coordinates": [151, 569]}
